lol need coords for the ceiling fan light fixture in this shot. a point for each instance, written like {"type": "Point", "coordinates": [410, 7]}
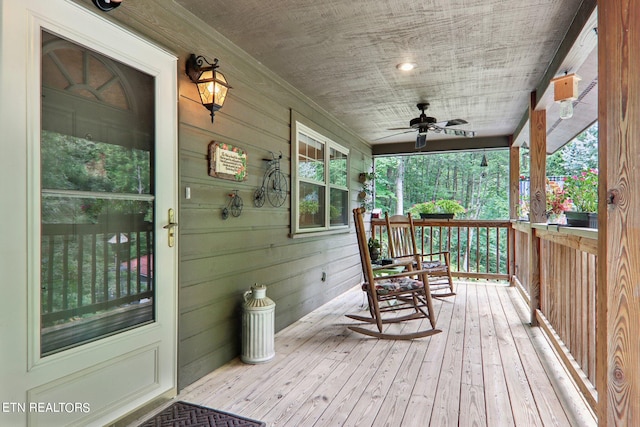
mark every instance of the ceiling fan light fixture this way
{"type": "Point", "coordinates": [406, 66]}
{"type": "Point", "coordinates": [421, 140]}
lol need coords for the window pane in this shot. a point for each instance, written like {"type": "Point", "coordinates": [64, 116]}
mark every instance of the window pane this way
{"type": "Point", "coordinates": [97, 196]}
{"type": "Point", "coordinates": [339, 202]}
{"type": "Point", "coordinates": [311, 205]}
{"type": "Point", "coordinates": [310, 158]}
{"type": "Point", "coordinates": [97, 268]}
{"type": "Point", "coordinates": [70, 163]}
{"type": "Point", "coordinates": [337, 168]}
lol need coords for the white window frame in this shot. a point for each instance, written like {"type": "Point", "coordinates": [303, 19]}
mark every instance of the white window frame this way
{"type": "Point", "coordinates": [296, 229]}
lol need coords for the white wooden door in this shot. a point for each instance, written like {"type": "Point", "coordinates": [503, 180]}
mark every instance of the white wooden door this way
{"type": "Point", "coordinates": [88, 177]}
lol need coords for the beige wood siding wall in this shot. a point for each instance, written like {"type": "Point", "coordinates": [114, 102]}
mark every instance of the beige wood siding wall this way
{"type": "Point", "coordinates": [220, 259]}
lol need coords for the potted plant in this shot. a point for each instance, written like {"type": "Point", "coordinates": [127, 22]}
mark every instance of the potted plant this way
{"type": "Point", "coordinates": [557, 202]}
{"type": "Point", "coordinates": [335, 215]}
{"type": "Point", "coordinates": [363, 177]}
{"type": "Point", "coordinates": [308, 208]}
{"type": "Point", "coordinates": [374, 248]}
{"type": "Point", "coordinates": [442, 208]}
{"type": "Point", "coordinates": [582, 191]}
{"type": "Point", "coordinates": [523, 209]}
{"type": "Point", "coordinates": [451, 207]}
{"type": "Point", "coordinates": [364, 195]}
{"type": "Point", "coordinates": [423, 209]}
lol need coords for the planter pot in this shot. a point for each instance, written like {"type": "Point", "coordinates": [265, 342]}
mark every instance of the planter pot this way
{"type": "Point", "coordinates": [559, 219]}
{"type": "Point", "coordinates": [374, 253]}
{"type": "Point", "coordinates": [437, 216]}
{"type": "Point", "coordinates": [593, 220]}
{"type": "Point", "coordinates": [580, 219]}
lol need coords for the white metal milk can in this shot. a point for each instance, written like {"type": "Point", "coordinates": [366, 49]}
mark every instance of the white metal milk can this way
{"type": "Point", "coordinates": [258, 326]}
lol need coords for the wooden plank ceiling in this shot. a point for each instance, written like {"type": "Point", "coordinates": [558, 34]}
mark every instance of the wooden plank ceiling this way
{"type": "Point", "coordinates": [477, 60]}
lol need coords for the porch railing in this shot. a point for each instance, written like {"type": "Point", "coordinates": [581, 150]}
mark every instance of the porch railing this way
{"type": "Point", "coordinates": [477, 249]}
{"type": "Point", "coordinates": [567, 259]}
{"type": "Point", "coordinates": [566, 264]}
{"type": "Point", "coordinates": [89, 270]}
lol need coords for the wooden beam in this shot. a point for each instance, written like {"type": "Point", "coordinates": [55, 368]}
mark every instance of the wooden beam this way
{"type": "Point", "coordinates": [537, 197]}
{"type": "Point", "coordinates": [618, 286]}
{"type": "Point", "coordinates": [442, 145]}
{"type": "Point", "coordinates": [514, 181]}
{"type": "Point", "coordinates": [514, 201]}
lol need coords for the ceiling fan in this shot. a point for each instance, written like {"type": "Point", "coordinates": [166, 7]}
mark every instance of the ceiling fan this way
{"type": "Point", "coordinates": [424, 124]}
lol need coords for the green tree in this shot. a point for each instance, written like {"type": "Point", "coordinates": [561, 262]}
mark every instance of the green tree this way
{"type": "Point", "coordinates": [483, 191]}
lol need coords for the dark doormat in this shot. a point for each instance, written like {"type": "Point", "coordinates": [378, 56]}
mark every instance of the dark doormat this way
{"type": "Point", "coordinates": [187, 414]}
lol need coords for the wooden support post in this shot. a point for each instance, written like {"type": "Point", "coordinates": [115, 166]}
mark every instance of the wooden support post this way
{"type": "Point", "coordinates": [537, 197]}
{"type": "Point", "coordinates": [618, 270]}
{"type": "Point", "coordinates": [514, 181]}
{"type": "Point", "coordinates": [514, 202]}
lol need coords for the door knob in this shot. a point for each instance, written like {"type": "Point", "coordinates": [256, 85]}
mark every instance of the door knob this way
{"type": "Point", "coordinates": [170, 228]}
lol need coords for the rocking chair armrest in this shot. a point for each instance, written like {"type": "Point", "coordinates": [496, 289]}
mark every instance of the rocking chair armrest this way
{"type": "Point", "coordinates": [402, 274]}
{"type": "Point", "coordinates": [406, 259]}
{"type": "Point", "coordinates": [396, 263]}
{"type": "Point", "coordinates": [435, 253]}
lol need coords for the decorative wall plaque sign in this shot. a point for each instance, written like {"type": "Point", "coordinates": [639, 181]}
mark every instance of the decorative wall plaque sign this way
{"type": "Point", "coordinates": [227, 161]}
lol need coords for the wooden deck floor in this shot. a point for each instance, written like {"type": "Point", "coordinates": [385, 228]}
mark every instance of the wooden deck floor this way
{"type": "Point", "coordinates": [487, 368]}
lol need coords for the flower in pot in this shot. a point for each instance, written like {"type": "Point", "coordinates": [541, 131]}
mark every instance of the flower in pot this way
{"type": "Point", "coordinates": [582, 190]}
{"type": "Point", "coordinates": [557, 200]}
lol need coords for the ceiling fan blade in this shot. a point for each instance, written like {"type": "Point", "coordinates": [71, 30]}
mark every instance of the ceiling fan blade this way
{"type": "Point", "coordinates": [393, 134]}
{"type": "Point", "coordinates": [421, 141]}
{"type": "Point", "coordinates": [460, 132]}
{"type": "Point", "coordinates": [403, 128]}
{"type": "Point", "coordinates": [453, 122]}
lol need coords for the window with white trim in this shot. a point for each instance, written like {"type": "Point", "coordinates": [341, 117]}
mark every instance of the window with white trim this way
{"type": "Point", "coordinates": [321, 192]}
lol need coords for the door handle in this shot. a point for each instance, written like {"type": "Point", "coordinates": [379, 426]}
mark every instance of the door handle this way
{"type": "Point", "coordinates": [170, 228]}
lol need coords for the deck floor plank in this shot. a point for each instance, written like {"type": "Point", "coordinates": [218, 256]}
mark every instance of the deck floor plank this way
{"type": "Point", "coordinates": [525, 411]}
{"type": "Point", "coordinates": [446, 408]}
{"type": "Point", "coordinates": [472, 399]}
{"type": "Point", "coordinates": [488, 367]}
{"type": "Point", "coordinates": [549, 407]}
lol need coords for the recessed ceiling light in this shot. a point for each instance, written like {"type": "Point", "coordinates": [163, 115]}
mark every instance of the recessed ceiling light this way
{"type": "Point", "coordinates": [406, 66]}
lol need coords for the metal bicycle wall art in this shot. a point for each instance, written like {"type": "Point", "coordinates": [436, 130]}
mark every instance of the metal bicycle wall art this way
{"type": "Point", "coordinates": [274, 184]}
{"type": "Point", "coordinates": [234, 206]}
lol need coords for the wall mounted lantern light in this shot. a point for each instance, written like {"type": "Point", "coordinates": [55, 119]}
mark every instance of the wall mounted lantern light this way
{"type": "Point", "coordinates": [212, 85]}
{"type": "Point", "coordinates": [565, 91]}
{"type": "Point", "coordinates": [107, 5]}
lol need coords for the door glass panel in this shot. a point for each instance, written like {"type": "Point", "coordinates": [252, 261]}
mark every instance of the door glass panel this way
{"type": "Point", "coordinates": [97, 196]}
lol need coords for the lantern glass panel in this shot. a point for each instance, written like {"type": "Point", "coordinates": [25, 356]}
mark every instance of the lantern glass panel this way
{"type": "Point", "coordinates": [220, 89]}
